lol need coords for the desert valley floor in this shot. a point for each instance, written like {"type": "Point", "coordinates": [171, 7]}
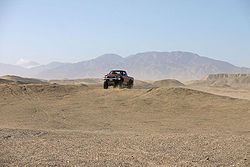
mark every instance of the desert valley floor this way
{"type": "Point", "coordinates": [84, 125]}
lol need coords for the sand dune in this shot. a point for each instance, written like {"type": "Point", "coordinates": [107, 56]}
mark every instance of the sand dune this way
{"type": "Point", "coordinates": [88, 126]}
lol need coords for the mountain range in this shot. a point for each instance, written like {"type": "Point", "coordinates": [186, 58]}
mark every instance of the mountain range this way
{"type": "Point", "coordinates": [144, 66]}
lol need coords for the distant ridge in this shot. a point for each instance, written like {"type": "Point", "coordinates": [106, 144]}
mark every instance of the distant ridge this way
{"type": "Point", "coordinates": [17, 79]}
{"type": "Point", "coordinates": [143, 66]}
{"type": "Point", "coordinates": [5, 81]}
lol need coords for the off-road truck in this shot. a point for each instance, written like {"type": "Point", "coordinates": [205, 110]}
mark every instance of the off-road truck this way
{"type": "Point", "coordinates": [118, 78]}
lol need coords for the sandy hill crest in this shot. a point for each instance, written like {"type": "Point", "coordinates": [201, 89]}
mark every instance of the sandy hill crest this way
{"type": "Point", "coordinates": [138, 84]}
{"type": "Point", "coordinates": [179, 92]}
{"type": "Point", "coordinates": [45, 89]}
{"type": "Point", "coordinates": [168, 83]}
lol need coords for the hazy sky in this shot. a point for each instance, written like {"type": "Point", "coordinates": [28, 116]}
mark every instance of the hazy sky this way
{"type": "Point", "coordinates": [76, 30]}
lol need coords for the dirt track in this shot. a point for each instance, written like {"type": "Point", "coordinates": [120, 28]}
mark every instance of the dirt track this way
{"type": "Point", "coordinates": [89, 126]}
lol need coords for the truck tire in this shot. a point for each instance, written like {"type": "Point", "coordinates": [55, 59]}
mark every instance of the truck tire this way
{"type": "Point", "coordinates": [116, 84]}
{"type": "Point", "coordinates": [105, 85]}
{"type": "Point", "coordinates": [130, 84]}
{"type": "Point", "coordinates": [121, 83]}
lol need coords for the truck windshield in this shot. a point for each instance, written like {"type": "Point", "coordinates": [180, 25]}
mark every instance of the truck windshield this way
{"type": "Point", "coordinates": [119, 72]}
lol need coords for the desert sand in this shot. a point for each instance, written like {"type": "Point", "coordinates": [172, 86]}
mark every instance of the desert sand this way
{"type": "Point", "coordinates": [85, 125]}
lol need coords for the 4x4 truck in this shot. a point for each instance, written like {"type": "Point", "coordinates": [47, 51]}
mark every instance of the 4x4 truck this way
{"type": "Point", "coordinates": [118, 78]}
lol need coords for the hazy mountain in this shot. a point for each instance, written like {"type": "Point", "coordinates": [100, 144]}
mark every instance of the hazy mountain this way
{"type": "Point", "coordinates": [35, 71]}
{"type": "Point", "coordinates": [144, 66]}
{"type": "Point", "coordinates": [27, 63]}
{"type": "Point", "coordinates": [176, 65]}
{"type": "Point", "coordinates": [86, 69]}
{"type": "Point", "coordinates": [7, 69]}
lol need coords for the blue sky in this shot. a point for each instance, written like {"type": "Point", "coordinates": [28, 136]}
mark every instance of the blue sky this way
{"type": "Point", "coordinates": [76, 30]}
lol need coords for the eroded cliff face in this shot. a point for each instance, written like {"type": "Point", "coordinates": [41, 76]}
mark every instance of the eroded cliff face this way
{"type": "Point", "coordinates": [241, 81]}
{"type": "Point", "coordinates": [226, 76]}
